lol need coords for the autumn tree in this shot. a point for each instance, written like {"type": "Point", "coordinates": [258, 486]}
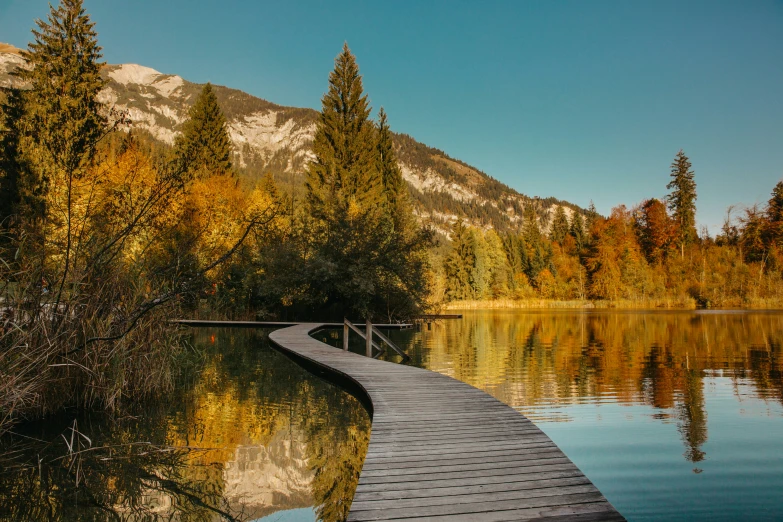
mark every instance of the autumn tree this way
{"type": "Point", "coordinates": [655, 229]}
{"type": "Point", "coordinates": [682, 201]}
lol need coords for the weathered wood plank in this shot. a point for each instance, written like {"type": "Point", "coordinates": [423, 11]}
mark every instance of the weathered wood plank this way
{"type": "Point", "coordinates": [442, 449]}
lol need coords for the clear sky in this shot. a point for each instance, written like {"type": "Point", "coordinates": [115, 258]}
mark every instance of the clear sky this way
{"type": "Point", "coordinates": [575, 99]}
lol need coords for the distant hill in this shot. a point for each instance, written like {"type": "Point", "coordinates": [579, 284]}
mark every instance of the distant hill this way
{"type": "Point", "coordinates": [277, 139]}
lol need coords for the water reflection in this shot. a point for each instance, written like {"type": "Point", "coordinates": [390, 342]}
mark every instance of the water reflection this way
{"type": "Point", "coordinates": [246, 434]}
{"type": "Point", "coordinates": [644, 402]}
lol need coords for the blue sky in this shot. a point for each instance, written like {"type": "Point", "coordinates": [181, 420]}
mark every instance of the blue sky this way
{"type": "Point", "coordinates": [579, 100]}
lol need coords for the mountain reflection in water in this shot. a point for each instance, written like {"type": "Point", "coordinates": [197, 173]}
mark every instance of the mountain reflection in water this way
{"type": "Point", "coordinates": [246, 434]}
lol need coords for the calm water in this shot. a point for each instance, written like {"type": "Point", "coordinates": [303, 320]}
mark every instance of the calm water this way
{"type": "Point", "coordinates": [248, 435]}
{"type": "Point", "coordinates": [672, 415]}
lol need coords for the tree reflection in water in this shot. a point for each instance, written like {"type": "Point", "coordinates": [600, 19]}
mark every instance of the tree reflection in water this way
{"type": "Point", "coordinates": [245, 434]}
{"type": "Point", "coordinates": [536, 359]}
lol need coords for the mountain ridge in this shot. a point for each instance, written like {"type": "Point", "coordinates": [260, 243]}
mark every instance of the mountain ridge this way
{"type": "Point", "coordinates": [268, 137]}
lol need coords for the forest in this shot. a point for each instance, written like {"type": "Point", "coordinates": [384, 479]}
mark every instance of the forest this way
{"type": "Point", "coordinates": [107, 235]}
{"type": "Point", "coordinates": [647, 256]}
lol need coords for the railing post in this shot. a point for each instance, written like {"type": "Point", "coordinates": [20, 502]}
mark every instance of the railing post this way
{"type": "Point", "coordinates": [345, 336]}
{"type": "Point", "coordinates": [368, 338]}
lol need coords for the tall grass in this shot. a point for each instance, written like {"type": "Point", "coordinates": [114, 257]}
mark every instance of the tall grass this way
{"type": "Point", "coordinates": [686, 303]}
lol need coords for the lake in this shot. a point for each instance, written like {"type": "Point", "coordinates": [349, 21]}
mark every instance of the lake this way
{"type": "Point", "coordinates": [247, 435]}
{"type": "Point", "coordinates": [673, 415]}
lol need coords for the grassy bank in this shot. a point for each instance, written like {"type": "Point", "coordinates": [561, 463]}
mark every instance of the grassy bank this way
{"type": "Point", "coordinates": [685, 303]}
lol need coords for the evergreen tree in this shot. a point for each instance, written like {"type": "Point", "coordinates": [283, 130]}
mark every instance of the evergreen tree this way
{"type": "Point", "coordinates": [350, 224]}
{"type": "Point", "coordinates": [53, 128]}
{"type": "Point", "coordinates": [460, 263]}
{"type": "Point", "coordinates": [682, 200]}
{"type": "Point", "coordinates": [12, 167]}
{"type": "Point", "coordinates": [559, 229]}
{"type": "Point", "coordinates": [577, 230]}
{"type": "Point", "coordinates": [344, 173]}
{"type": "Point", "coordinates": [530, 228]}
{"type": "Point", "coordinates": [394, 185]}
{"type": "Point", "coordinates": [774, 216]}
{"type": "Point", "coordinates": [204, 145]}
{"type": "Point", "coordinates": [403, 284]}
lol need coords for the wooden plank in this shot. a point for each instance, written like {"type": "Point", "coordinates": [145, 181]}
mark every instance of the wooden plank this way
{"type": "Point", "coordinates": [442, 449]}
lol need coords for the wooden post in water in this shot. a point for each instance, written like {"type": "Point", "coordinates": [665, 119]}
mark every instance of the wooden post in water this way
{"type": "Point", "coordinates": [368, 337]}
{"type": "Point", "coordinates": [345, 336]}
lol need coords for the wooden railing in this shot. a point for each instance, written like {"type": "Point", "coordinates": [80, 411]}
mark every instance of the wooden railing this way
{"type": "Point", "coordinates": [370, 343]}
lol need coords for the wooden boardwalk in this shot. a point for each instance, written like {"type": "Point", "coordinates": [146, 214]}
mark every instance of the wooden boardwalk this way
{"type": "Point", "coordinates": [441, 449]}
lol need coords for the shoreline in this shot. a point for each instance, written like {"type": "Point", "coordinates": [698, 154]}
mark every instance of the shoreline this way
{"type": "Point", "coordinates": [653, 304]}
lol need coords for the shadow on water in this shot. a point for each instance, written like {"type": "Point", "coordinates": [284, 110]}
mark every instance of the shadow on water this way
{"type": "Point", "coordinates": [245, 434]}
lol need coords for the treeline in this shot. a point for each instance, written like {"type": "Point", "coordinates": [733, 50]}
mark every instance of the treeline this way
{"type": "Point", "coordinates": [106, 235]}
{"type": "Point", "coordinates": [649, 255]}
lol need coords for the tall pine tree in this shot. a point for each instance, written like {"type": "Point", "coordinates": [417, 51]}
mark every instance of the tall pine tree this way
{"type": "Point", "coordinates": [350, 226]}
{"type": "Point", "coordinates": [559, 229]}
{"type": "Point", "coordinates": [682, 200]}
{"type": "Point", "coordinates": [460, 263]}
{"type": "Point", "coordinates": [394, 187]}
{"type": "Point", "coordinates": [54, 126]}
{"type": "Point", "coordinates": [403, 286]}
{"type": "Point", "coordinates": [204, 145]}
{"type": "Point", "coordinates": [577, 231]}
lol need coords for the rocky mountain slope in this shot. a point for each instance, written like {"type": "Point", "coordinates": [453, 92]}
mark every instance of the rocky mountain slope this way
{"type": "Point", "coordinates": [272, 138]}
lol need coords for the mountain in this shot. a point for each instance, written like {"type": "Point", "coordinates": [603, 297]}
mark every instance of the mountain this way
{"type": "Point", "coordinates": [277, 139]}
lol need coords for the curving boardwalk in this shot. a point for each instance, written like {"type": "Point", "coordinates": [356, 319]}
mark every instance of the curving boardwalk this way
{"type": "Point", "coordinates": [441, 449]}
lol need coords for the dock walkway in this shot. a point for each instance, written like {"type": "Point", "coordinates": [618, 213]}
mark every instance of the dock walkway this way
{"type": "Point", "coordinates": [441, 449]}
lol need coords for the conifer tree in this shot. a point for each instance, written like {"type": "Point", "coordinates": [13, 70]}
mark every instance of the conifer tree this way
{"type": "Point", "coordinates": [344, 173]}
{"type": "Point", "coordinates": [530, 228]}
{"type": "Point", "coordinates": [559, 229]}
{"type": "Point", "coordinates": [350, 225]}
{"type": "Point", "coordinates": [56, 124]}
{"type": "Point", "coordinates": [393, 184]}
{"type": "Point", "coordinates": [403, 285]}
{"type": "Point", "coordinates": [204, 145]}
{"type": "Point", "coordinates": [682, 200]}
{"type": "Point", "coordinates": [774, 216]}
{"type": "Point", "coordinates": [460, 263]}
{"type": "Point", "coordinates": [577, 230]}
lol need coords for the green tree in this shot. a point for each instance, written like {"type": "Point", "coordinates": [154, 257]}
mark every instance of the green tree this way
{"type": "Point", "coordinates": [682, 200]}
{"type": "Point", "coordinates": [402, 288]}
{"type": "Point", "coordinates": [577, 231]}
{"type": "Point", "coordinates": [204, 145]}
{"type": "Point", "coordinates": [51, 129]}
{"type": "Point", "coordinates": [460, 263]}
{"type": "Point", "coordinates": [394, 186]}
{"type": "Point", "coordinates": [60, 125]}
{"type": "Point", "coordinates": [530, 228]}
{"type": "Point", "coordinates": [559, 229]}
{"type": "Point", "coordinates": [350, 226]}
{"type": "Point", "coordinates": [774, 214]}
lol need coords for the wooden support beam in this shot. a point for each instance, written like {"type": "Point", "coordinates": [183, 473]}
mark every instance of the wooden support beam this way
{"type": "Point", "coordinates": [368, 337]}
{"type": "Point", "coordinates": [390, 344]}
{"type": "Point", "coordinates": [361, 334]}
